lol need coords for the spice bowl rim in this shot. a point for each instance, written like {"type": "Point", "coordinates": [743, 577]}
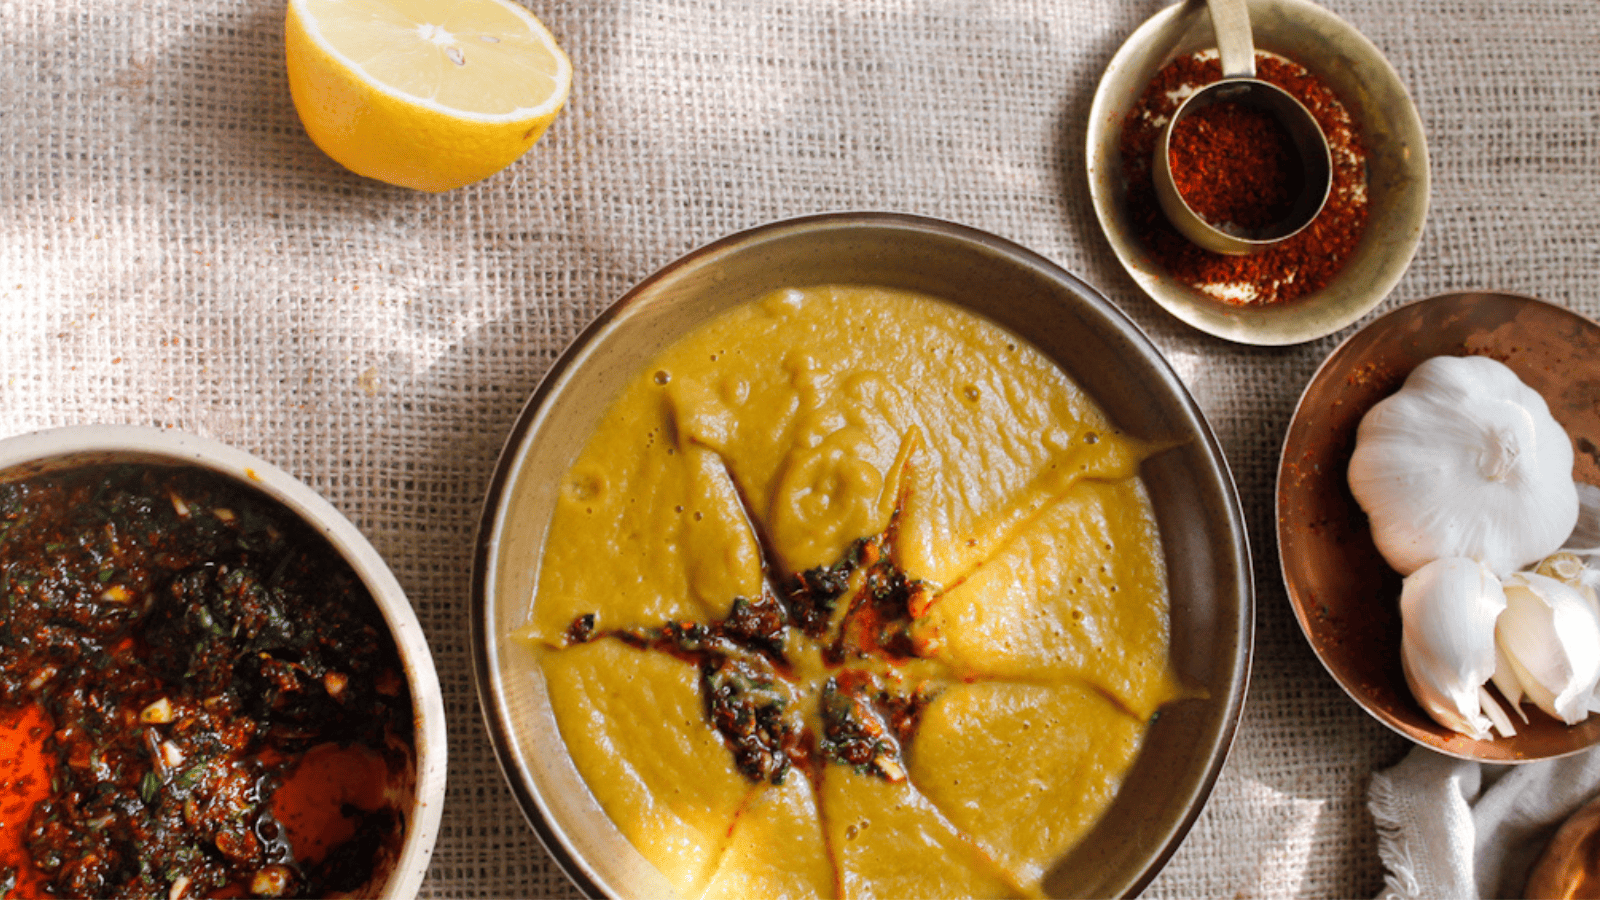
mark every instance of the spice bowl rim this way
{"type": "Point", "coordinates": [71, 446]}
{"type": "Point", "coordinates": [893, 250]}
{"type": "Point", "coordinates": [1397, 166]}
{"type": "Point", "coordinates": [1343, 594]}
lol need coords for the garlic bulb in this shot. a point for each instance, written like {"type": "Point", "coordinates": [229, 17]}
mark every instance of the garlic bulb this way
{"type": "Point", "coordinates": [1464, 461]}
{"type": "Point", "coordinates": [1549, 637]}
{"type": "Point", "coordinates": [1448, 610]}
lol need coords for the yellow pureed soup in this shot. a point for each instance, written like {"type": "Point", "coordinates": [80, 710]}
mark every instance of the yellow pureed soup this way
{"type": "Point", "coordinates": [852, 593]}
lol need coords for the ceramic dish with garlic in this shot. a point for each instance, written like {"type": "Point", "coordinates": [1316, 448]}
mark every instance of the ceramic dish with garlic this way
{"type": "Point", "coordinates": [1466, 479]}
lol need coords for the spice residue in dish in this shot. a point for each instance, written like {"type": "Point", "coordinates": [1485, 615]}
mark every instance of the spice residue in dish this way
{"type": "Point", "coordinates": [1300, 265]}
{"type": "Point", "coordinates": [179, 660]}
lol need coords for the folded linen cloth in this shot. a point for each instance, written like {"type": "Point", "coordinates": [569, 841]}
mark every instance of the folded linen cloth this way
{"type": "Point", "coordinates": [1449, 828]}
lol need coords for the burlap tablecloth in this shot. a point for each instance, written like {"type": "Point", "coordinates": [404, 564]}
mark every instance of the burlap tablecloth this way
{"type": "Point", "coordinates": [174, 250]}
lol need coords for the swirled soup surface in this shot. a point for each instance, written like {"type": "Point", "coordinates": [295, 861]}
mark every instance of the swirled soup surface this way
{"type": "Point", "coordinates": [853, 593]}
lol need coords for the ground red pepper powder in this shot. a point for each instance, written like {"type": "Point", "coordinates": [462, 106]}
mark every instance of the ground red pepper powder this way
{"type": "Point", "coordinates": [1300, 265]}
{"type": "Point", "coordinates": [1236, 166]}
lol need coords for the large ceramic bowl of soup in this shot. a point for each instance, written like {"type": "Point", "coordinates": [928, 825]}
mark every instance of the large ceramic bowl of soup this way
{"type": "Point", "coordinates": [861, 554]}
{"type": "Point", "coordinates": [213, 686]}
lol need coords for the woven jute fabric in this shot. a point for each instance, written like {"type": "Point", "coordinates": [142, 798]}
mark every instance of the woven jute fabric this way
{"type": "Point", "coordinates": [174, 250]}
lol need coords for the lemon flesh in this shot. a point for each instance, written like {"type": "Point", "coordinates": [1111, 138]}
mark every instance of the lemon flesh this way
{"type": "Point", "coordinates": [427, 94]}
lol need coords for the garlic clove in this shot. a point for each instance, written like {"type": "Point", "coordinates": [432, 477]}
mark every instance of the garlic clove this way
{"type": "Point", "coordinates": [1448, 609]}
{"type": "Point", "coordinates": [1550, 636]}
{"type": "Point", "coordinates": [1505, 678]}
{"type": "Point", "coordinates": [1569, 568]}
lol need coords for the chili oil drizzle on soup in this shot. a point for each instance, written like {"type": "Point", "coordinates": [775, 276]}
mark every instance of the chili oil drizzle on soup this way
{"type": "Point", "coordinates": [853, 593]}
{"type": "Point", "coordinates": [198, 697]}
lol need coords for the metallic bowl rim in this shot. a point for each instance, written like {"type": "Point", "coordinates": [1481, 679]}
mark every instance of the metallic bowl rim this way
{"type": "Point", "coordinates": [571, 359]}
{"type": "Point", "coordinates": [175, 447]}
{"type": "Point", "coordinates": [1274, 325]}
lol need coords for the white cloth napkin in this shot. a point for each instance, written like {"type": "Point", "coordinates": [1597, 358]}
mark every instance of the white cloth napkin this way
{"type": "Point", "coordinates": [1448, 828]}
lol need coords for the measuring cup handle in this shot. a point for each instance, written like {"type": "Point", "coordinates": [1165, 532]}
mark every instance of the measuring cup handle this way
{"type": "Point", "coordinates": [1231, 21]}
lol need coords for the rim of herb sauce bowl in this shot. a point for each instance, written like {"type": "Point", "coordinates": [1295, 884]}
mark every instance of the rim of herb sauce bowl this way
{"type": "Point", "coordinates": [57, 449]}
{"type": "Point", "coordinates": [1370, 89]}
{"type": "Point", "coordinates": [1196, 506]}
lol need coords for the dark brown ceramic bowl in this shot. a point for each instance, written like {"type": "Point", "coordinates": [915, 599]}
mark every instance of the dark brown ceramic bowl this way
{"type": "Point", "coordinates": [1196, 507]}
{"type": "Point", "coordinates": [1344, 594]}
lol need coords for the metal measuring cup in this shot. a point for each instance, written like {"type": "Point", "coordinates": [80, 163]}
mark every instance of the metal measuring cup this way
{"type": "Point", "coordinates": [1231, 21]}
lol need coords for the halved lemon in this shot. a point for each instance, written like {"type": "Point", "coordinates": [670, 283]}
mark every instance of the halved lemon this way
{"type": "Point", "coordinates": [426, 94]}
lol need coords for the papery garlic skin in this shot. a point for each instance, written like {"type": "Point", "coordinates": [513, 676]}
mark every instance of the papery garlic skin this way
{"type": "Point", "coordinates": [1505, 678]}
{"type": "Point", "coordinates": [1549, 635]}
{"type": "Point", "coordinates": [1464, 461]}
{"type": "Point", "coordinates": [1585, 539]}
{"type": "Point", "coordinates": [1448, 610]}
{"type": "Point", "coordinates": [1571, 570]}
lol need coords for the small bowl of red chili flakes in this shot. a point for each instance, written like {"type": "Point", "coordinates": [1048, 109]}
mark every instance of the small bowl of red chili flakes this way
{"type": "Point", "coordinates": [210, 683]}
{"type": "Point", "coordinates": [1324, 278]}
